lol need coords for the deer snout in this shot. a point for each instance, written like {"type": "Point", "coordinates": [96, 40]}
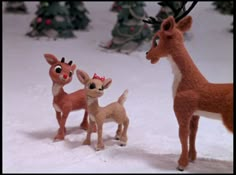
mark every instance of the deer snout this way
{"type": "Point", "coordinates": [147, 56]}
{"type": "Point", "coordinates": [65, 76]}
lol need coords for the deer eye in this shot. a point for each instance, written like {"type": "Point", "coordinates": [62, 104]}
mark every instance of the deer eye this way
{"type": "Point", "coordinates": [156, 41]}
{"type": "Point", "coordinates": [70, 74]}
{"type": "Point", "coordinates": [101, 89]}
{"type": "Point", "coordinates": [92, 86]}
{"type": "Point", "coordinates": [58, 69]}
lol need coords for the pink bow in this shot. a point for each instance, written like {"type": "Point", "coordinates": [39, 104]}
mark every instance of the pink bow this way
{"type": "Point", "coordinates": [95, 76]}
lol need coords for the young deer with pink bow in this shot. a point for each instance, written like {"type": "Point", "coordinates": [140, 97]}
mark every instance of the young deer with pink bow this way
{"type": "Point", "coordinates": [98, 115]}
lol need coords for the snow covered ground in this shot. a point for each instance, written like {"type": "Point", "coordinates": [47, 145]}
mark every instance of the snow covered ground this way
{"type": "Point", "coordinates": [29, 122]}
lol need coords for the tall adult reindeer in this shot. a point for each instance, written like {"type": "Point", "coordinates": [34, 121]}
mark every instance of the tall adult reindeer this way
{"type": "Point", "coordinates": [193, 95]}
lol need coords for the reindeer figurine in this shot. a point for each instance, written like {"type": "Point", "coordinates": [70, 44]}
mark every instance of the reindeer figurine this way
{"type": "Point", "coordinates": [63, 103]}
{"type": "Point", "coordinates": [98, 115]}
{"type": "Point", "coordinates": [193, 95]}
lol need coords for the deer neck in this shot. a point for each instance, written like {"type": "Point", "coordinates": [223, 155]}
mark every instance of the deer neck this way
{"type": "Point", "coordinates": [57, 89]}
{"type": "Point", "coordinates": [186, 74]}
{"type": "Point", "coordinates": [93, 106]}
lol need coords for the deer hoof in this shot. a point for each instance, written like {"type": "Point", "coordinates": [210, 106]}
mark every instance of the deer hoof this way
{"type": "Point", "coordinates": [86, 142]}
{"type": "Point", "coordinates": [117, 137]}
{"type": "Point", "coordinates": [180, 168]}
{"type": "Point", "coordinates": [122, 143]}
{"type": "Point", "coordinates": [99, 147]}
{"type": "Point", "coordinates": [58, 138]}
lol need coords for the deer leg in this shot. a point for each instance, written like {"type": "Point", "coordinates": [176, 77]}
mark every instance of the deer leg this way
{"type": "Point", "coordinates": [61, 133]}
{"type": "Point", "coordinates": [192, 138]}
{"type": "Point", "coordinates": [228, 122]}
{"type": "Point", "coordinates": [183, 136]}
{"type": "Point", "coordinates": [87, 141]}
{"type": "Point", "coordinates": [227, 115]}
{"type": "Point", "coordinates": [58, 114]}
{"type": "Point", "coordinates": [100, 144]}
{"type": "Point", "coordinates": [184, 105]}
{"type": "Point", "coordinates": [124, 137]}
{"type": "Point", "coordinates": [84, 124]}
{"type": "Point", "coordinates": [94, 128]}
{"type": "Point", "coordinates": [118, 132]}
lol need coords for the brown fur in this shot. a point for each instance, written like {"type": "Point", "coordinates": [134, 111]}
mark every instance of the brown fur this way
{"type": "Point", "coordinates": [65, 103]}
{"type": "Point", "coordinates": [193, 92]}
{"type": "Point", "coordinates": [98, 115]}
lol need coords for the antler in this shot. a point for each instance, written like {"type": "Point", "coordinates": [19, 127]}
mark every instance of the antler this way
{"type": "Point", "coordinates": [63, 60]}
{"type": "Point", "coordinates": [187, 11]}
{"type": "Point", "coordinates": [158, 20]}
{"type": "Point", "coordinates": [70, 62]}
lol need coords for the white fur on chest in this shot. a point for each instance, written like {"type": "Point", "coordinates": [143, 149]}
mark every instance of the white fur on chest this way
{"type": "Point", "coordinates": [56, 89]}
{"type": "Point", "coordinates": [211, 115]}
{"type": "Point", "coordinates": [56, 107]}
{"type": "Point", "coordinates": [90, 100]}
{"type": "Point", "coordinates": [177, 75]}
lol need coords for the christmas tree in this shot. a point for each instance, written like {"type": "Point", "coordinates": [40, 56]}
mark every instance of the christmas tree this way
{"type": "Point", "coordinates": [52, 20]}
{"type": "Point", "coordinates": [168, 8]}
{"type": "Point", "coordinates": [15, 7]}
{"type": "Point", "coordinates": [129, 32]}
{"type": "Point", "coordinates": [78, 14]}
{"type": "Point", "coordinates": [225, 7]}
{"type": "Point", "coordinates": [116, 6]}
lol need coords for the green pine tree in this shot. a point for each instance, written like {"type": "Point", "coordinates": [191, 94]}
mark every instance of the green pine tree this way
{"type": "Point", "coordinates": [52, 20]}
{"type": "Point", "coordinates": [130, 31]}
{"type": "Point", "coordinates": [116, 6]}
{"type": "Point", "coordinates": [78, 14]}
{"type": "Point", "coordinates": [15, 7]}
{"type": "Point", "coordinates": [225, 7]}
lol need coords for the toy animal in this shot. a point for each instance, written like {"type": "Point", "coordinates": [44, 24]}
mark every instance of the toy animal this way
{"type": "Point", "coordinates": [98, 115]}
{"type": "Point", "coordinates": [63, 103]}
{"type": "Point", "coordinates": [193, 95]}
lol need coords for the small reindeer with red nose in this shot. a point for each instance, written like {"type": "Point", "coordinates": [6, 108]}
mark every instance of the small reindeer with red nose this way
{"type": "Point", "coordinates": [98, 115]}
{"type": "Point", "coordinates": [63, 103]}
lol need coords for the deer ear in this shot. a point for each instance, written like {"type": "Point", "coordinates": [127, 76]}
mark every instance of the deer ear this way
{"type": "Point", "coordinates": [82, 76]}
{"type": "Point", "coordinates": [185, 24]}
{"type": "Point", "coordinates": [168, 25]}
{"type": "Point", "coordinates": [107, 83]}
{"type": "Point", "coordinates": [51, 59]}
{"type": "Point", "coordinates": [73, 67]}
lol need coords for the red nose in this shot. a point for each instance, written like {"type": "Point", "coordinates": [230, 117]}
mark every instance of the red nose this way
{"type": "Point", "coordinates": [64, 76]}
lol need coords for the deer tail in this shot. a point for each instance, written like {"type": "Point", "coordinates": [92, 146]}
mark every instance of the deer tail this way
{"type": "Point", "coordinates": [123, 97]}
